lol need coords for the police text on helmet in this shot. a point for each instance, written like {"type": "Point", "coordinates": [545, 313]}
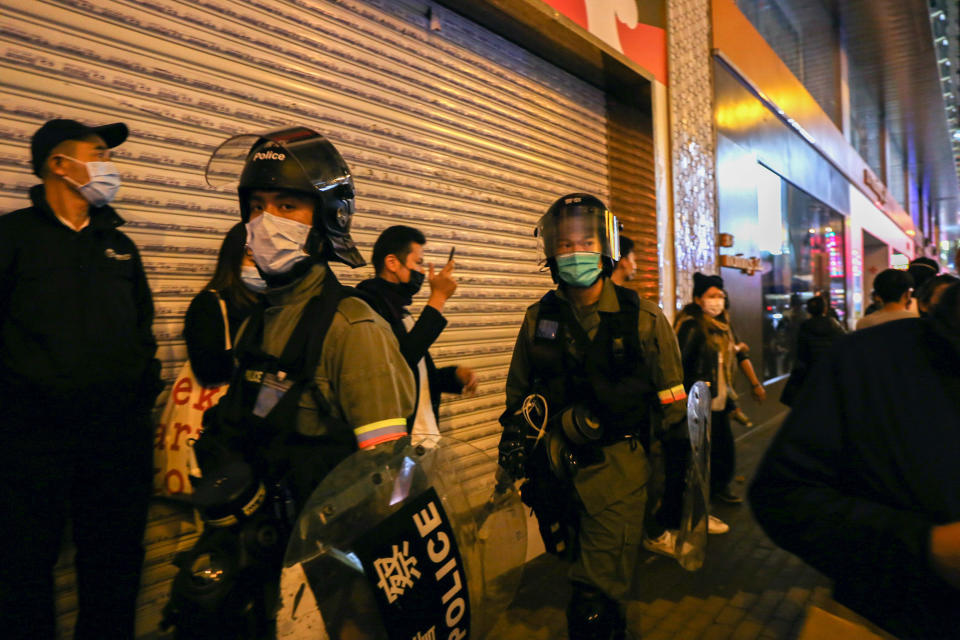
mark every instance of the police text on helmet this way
{"type": "Point", "coordinates": [268, 155]}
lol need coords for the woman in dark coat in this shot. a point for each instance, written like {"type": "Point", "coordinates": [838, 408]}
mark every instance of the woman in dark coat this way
{"type": "Point", "coordinates": [709, 352]}
{"type": "Point", "coordinates": [814, 339]}
{"type": "Point", "coordinates": [237, 283]}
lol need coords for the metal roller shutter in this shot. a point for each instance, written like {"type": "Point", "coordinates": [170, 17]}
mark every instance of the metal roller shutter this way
{"type": "Point", "coordinates": [446, 126]}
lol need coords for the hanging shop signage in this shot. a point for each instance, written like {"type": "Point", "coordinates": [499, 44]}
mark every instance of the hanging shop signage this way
{"type": "Point", "coordinates": [747, 265]}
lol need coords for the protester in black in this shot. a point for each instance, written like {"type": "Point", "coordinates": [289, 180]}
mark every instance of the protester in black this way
{"type": "Point", "coordinates": [237, 283]}
{"type": "Point", "coordinates": [928, 295]}
{"type": "Point", "coordinates": [921, 270]}
{"type": "Point", "coordinates": [78, 378]}
{"type": "Point", "coordinates": [860, 482]}
{"type": "Point", "coordinates": [814, 339]}
{"type": "Point", "coordinates": [398, 261]}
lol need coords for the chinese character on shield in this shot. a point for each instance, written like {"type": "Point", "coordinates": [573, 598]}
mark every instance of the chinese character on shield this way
{"type": "Point", "coordinates": [396, 573]}
{"type": "Point", "coordinates": [429, 634]}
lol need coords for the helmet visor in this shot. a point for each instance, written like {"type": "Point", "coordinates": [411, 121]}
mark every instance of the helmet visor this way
{"type": "Point", "coordinates": [569, 229]}
{"type": "Point", "coordinates": [321, 165]}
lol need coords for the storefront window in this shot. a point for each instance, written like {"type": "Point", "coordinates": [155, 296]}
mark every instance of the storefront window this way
{"type": "Point", "coordinates": [802, 249]}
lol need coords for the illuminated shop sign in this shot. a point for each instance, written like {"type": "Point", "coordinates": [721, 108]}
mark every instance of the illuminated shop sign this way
{"type": "Point", "coordinates": [835, 256]}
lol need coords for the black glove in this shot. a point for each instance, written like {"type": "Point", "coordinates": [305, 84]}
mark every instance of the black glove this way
{"type": "Point", "coordinates": [514, 461]}
{"type": "Point", "coordinates": [513, 452]}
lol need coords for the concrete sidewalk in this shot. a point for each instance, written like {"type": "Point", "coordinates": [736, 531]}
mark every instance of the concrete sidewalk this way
{"type": "Point", "coordinates": [747, 588]}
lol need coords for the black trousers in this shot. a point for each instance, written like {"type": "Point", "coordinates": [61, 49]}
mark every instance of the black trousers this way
{"type": "Point", "coordinates": [676, 460]}
{"type": "Point", "coordinates": [88, 459]}
{"type": "Point", "coordinates": [722, 453]}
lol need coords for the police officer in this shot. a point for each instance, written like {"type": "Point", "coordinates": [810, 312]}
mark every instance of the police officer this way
{"type": "Point", "coordinates": [593, 369]}
{"type": "Point", "coordinates": [318, 375]}
{"type": "Point", "coordinates": [297, 200]}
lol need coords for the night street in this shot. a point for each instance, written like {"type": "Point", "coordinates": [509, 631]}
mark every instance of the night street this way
{"type": "Point", "coordinates": [748, 588]}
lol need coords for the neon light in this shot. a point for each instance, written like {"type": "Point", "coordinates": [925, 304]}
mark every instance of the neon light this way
{"type": "Point", "coordinates": [835, 256]}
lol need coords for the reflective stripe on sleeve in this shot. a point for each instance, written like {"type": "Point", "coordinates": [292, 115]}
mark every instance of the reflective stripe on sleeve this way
{"type": "Point", "coordinates": [671, 395]}
{"type": "Point", "coordinates": [375, 433]}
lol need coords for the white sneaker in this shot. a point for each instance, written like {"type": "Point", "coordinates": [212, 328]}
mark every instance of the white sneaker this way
{"type": "Point", "coordinates": [665, 545]}
{"type": "Point", "coordinates": [716, 526]}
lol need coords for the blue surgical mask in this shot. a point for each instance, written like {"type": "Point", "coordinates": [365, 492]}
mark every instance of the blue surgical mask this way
{"type": "Point", "coordinates": [277, 244]}
{"type": "Point", "coordinates": [104, 182]}
{"type": "Point", "coordinates": [579, 269]}
{"type": "Point", "coordinates": [252, 280]}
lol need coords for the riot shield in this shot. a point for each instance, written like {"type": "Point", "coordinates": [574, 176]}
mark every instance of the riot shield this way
{"type": "Point", "coordinates": [692, 537]}
{"type": "Point", "coordinates": [398, 543]}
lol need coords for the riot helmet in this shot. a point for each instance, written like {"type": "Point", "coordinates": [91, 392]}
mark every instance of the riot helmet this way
{"type": "Point", "coordinates": [579, 223]}
{"type": "Point", "coordinates": [294, 159]}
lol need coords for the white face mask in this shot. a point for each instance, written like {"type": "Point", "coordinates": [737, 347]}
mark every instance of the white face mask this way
{"type": "Point", "coordinates": [251, 279]}
{"type": "Point", "coordinates": [277, 243]}
{"type": "Point", "coordinates": [104, 182]}
{"type": "Point", "coordinates": [713, 306]}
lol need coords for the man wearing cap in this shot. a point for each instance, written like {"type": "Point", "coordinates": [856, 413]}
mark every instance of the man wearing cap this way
{"type": "Point", "coordinates": [78, 378]}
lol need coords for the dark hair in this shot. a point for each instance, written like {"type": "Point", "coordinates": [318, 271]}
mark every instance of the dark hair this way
{"type": "Point", "coordinates": [891, 284]}
{"type": "Point", "coordinates": [921, 270]}
{"type": "Point", "coordinates": [816, 306]}
{"type": "Point", "coordinates": [626, 246]}
{"type": "Point", "coordinates": [226, 277]}
{"type": "Point", "coordinates": [925, 292]}
{"type": "Point", "coordinates": [395, 240]}
{"type": "Point", "coordinates": [947, 310]}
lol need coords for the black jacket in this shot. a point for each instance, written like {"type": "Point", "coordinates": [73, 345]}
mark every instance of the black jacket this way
{"type": "Point", "coordinates": [864, 466]}
{"type": "Point", "coordinates": [700, 361]}
{"type": "Point", "coordinates": [75, 307]}
{"type": "Point", "coordinates": [386, 300]}
{"type": "Point", "coordinates": [814, 339]}
{"type": "Point", "coordinates": [203, 333]}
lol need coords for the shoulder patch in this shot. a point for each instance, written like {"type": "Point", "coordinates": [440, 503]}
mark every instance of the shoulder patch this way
{"type": "Point", "coordinates": [355, 310]}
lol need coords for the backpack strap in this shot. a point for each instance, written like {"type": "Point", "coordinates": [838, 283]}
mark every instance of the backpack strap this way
{"type": "Point", "coordinates": [305, 345]}
{"type": "Point", "coordinates": [625, 339]}
{"type": "Point", "coordinates": [227, 342]}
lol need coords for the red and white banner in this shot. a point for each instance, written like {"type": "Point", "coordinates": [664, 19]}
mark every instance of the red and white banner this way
{"type": "Point", "coordinates": [635, 28]}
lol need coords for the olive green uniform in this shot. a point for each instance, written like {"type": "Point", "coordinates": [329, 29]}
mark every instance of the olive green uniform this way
{"type": "Point", "coordinates": [611, 494]}
{"type": "Point", "coordinates": [361, 375]}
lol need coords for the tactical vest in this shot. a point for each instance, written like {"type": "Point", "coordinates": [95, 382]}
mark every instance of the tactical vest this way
{"type": "Point", "coordinates": [607, 374]}
{"type": "Point", "coordinates": [257, 417]}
